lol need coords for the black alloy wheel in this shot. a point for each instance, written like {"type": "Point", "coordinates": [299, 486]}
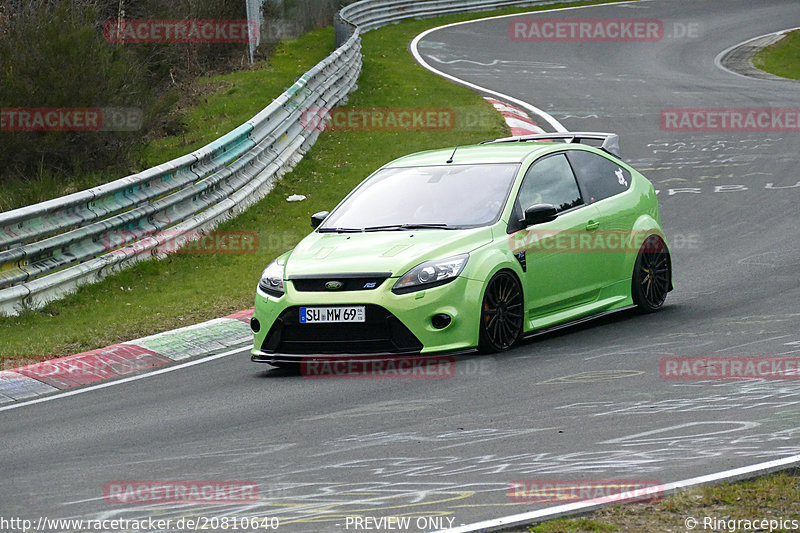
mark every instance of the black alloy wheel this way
{"type": "Point", "coordinates": [652, 275]}
{"type": "Point", "coordinates": [502, 313]}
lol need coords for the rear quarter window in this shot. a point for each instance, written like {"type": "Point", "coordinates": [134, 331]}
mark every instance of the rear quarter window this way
{"type": "Point", "coordinates": [599, 177]}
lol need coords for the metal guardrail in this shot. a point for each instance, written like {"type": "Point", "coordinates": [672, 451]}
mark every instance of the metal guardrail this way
{"type": "Point", "coordinates": [48, 249]}
{"type": "Point", "coordinates": [371, 14]}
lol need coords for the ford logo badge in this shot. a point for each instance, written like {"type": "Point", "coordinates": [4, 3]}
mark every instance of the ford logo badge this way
{"type": "Point", "coordinates": [334, 285]}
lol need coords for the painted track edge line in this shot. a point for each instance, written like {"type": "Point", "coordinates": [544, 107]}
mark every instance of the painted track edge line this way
{"type": "Point", "coordinates": [549, 118]}
{"type": "Point", "coordinates": [136, 377]}
{"type": "Point", "coordinates": [719, 57]}
{"type": "Point", "coordinates": [594, 504]}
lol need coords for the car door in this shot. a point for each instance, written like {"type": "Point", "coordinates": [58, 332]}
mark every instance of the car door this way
{"type": "Point", "coordinates": [558, 274]}
{"type": "Point", "coordinates": [603, 182]}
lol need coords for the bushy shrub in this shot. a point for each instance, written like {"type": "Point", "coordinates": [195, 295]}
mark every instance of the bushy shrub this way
{"type": "Point", "coordinates": [52, 55]}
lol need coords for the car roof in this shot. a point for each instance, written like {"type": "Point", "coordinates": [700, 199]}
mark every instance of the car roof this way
{"type": "Point", "coordinates": [480, 154]}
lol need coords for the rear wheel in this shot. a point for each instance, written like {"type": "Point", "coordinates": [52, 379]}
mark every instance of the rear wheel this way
{"type": "Point", "coordinates": [502, 312]}
{"type": "Point", "coordinates": [652, 274]}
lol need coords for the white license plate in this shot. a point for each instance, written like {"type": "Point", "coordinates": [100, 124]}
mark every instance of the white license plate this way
{"type": "Point", "coordinates": [323, 315]}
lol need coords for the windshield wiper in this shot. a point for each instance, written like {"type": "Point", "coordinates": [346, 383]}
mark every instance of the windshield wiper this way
{"type": "Point", "coordinates": [340, 230]}
{"type": "Point", "coordinates": [391, 227]}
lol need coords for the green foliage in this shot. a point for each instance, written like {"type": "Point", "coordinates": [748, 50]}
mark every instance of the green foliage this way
{"type": "Point", "coordinates": [61, 60]}
{"type": "Point", "coordinates": [53, 54]}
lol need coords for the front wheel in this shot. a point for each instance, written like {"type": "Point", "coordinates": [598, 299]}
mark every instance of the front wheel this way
{"type": "Point", "coordinates": [652, 274]}
{"type": "Point", "coordinates": [502, 312]}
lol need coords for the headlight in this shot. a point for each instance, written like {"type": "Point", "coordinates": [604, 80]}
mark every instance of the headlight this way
{"type": "Point", "coordinates": [272, 278]}
{"type": "Point", "coordinates": [431, 274]}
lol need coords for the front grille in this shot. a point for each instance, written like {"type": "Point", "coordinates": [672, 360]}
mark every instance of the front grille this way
{"type": "Point", "coordinates": [381, 333]}
{"type": "Point", "coordinates": [349, 282]}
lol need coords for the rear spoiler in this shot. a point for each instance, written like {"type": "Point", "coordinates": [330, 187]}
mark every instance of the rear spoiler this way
{"type": "Point", "coordinates": [610, 141]}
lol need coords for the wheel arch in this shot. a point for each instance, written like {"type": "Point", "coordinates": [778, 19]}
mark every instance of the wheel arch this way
{"type": "Point", "coordinates": [489, 264]}
{"type": "Point", "coordinates": [494, 260]}
{"type": "Point", "coordinates": [643, 228]}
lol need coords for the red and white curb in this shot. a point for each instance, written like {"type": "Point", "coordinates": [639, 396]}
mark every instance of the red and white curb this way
{"type": "Point", "coordinates": [29, 381]}
{"type": "Point", "coordinates": [517, 119]}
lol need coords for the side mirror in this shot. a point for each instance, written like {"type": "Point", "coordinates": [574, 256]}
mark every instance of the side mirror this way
{"type": "Point", "coordinates": [539, 213]}
{"type": "Point", "coordinates": [317, 218]}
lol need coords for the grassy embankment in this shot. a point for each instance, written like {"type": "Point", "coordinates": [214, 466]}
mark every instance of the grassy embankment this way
{"type": "Point", "coordinates": [781, 58]}
{"type": "Point", "coordinates": [771, 497]}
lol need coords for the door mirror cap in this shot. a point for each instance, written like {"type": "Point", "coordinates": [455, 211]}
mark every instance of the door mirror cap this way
{"type": "Point", "coordinates": [539, 214]}
{"type": "Point", "coordinates": [318, 218]}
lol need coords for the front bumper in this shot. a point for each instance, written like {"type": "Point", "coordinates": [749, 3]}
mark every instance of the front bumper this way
{"type": "Point", "coordinates": [395, 324]}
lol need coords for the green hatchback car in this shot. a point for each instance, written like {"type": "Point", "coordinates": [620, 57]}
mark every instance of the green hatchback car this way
{"type": "Point", "coordinates": [470, 247]}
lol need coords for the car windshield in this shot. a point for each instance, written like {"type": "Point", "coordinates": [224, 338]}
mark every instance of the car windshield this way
{"type": "Point", "coordinates": [449, 197]}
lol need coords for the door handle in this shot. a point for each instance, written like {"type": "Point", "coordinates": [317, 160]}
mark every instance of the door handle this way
{"type": "Point", "coordinates": [592, 225]}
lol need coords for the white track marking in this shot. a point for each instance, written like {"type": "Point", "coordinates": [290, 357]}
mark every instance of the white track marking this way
{"type": "Point", "coordinates": [588, 505]}
{"type": "Point", "coordinates": [123, 380]}
{"type": "Point", "coordinates": [557, 126]}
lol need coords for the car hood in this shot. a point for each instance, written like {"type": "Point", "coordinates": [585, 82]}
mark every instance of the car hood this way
{"type": "Point", "coordinates": [380, 251]}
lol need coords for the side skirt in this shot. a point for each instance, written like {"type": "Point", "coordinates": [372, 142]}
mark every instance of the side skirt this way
{"type": "Point", "coordinates": [570, 323]}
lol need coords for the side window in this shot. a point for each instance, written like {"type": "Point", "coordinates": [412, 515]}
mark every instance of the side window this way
{"type": "Point", "coordinates": [600, 177]}
{"type": "Point", "coordinates": [549, 181]}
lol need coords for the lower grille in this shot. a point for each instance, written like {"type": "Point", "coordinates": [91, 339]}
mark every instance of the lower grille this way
{"type": "Point", "coordinates": [381, 333]}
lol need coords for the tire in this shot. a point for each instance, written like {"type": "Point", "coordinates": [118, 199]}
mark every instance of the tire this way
{"type": "Point", "coordinates": [652, 275]}
{"type": "Point", "coordinates": [502, 313]}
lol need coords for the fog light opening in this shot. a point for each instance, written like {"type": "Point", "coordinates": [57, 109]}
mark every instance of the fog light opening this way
{"type": "Point", "coordinates": [441, 321]}
{"type": "Point", "coordinates": [255, 325]}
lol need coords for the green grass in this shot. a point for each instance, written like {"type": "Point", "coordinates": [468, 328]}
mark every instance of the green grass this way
{"type": "Point", "coordinates": [781, 58]}
{"type": "Point", "coordinates": [773, 496]}
{"type": "Point", "coordinates": [19, 191]}
{"type": "Point", "coordinates": [568, 525]}
{"type": "Point", "coordinates": [184, 289]}
{"type": "Point", "coordinates": [227, 101]}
